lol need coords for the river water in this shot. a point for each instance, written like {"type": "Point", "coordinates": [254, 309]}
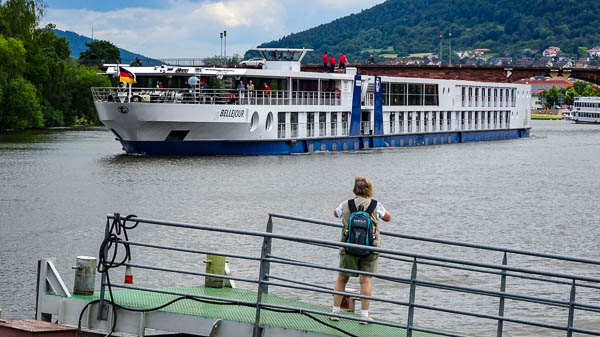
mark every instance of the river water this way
{"type": "Point", "coordinates": [540, 193]}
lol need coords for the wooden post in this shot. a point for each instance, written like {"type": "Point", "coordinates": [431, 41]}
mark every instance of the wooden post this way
{"type": "Point", "coordinates": [215, 264]}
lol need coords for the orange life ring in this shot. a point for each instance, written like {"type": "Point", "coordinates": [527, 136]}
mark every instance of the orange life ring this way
{"type": "Point", "coordinates": [338, 92]}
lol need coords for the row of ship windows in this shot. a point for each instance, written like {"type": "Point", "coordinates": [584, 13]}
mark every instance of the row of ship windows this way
{"type": "Point", "coordinates": [488, 97]}
{"type": "Point", "coordinates": [587, 105]}
{"type": "Point", "coordinates": [317, 124]}
{"type": "Point", "coordinates": [428, 94]}
{"type": "Point", "coordinates": [410, 94]}
{"type": "Point", "coordinates": [588, 114]}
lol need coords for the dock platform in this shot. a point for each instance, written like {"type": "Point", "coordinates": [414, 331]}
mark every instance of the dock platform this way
{"type": "Point", "coordinates": [246, 314]}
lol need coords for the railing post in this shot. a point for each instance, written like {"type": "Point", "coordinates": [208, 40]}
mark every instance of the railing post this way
{"type": "Point", "coordinates": [411, 300]}
{"type": "Point", "coordinates": [571, 310]}
{"type": "Point", "coordinates": [101, 315]}
{"type": "Point", "coordinates": [501, 304]}
{"type": "Point", "coordinates": [265, 267]}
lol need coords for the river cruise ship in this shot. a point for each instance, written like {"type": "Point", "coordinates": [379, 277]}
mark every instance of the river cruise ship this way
{"type": "Point", "coordinates": [586, 110]}
{"type": "Point", "coordinates": [191, 110]}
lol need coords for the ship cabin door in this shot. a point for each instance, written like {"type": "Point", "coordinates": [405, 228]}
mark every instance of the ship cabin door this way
{"type": "Point", "coordinates": [365, 122]}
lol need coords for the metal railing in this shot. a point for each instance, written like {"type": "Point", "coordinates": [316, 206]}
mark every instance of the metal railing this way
{"type": "Point", "coordinates": [268, 278]}
{"type": "Point", "coordinates": [215, 96]}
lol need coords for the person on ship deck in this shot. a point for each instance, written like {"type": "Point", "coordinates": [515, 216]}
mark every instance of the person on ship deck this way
{"type": "Point", "coordinates": [325, 60]}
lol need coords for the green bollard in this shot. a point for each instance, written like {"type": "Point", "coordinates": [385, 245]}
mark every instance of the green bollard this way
{"type": "Point", "coordinates": [215, 264]}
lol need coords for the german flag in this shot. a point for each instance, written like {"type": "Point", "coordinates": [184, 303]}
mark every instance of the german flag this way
{"type": "Point", "coordinates": [126, 76]}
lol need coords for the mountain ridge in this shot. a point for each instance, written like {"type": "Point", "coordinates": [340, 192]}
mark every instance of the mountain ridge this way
{"type": "Point", "coordinates": [403, 27]}
{"type": "Point", "coordinates": [77, 45]}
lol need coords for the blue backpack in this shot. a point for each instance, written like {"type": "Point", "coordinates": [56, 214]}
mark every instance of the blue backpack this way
{"type": "Point", "coordinates": [360, 231]}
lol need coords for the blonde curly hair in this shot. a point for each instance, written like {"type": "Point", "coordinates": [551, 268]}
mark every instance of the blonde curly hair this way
{"type": "Point", "coordinates": [363, 187]}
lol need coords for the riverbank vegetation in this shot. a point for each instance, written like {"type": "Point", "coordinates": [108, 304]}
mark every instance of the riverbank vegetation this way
{"type": "Point", "coordinates": [552, 96]}
{"type": "Point", "coordinates": [40, 84]}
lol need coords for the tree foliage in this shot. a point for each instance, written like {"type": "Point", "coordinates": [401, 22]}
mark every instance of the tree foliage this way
{"type": "Point", "coordinates": [580, 88]}
{"type": "Point", "coordinates": [40, 85]}
{"type": "Point", "coordinates": [408, 26]}
{"type": "Point", "coordinates": [100, 52]}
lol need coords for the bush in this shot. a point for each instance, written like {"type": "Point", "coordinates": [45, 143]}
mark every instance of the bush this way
{"type": "Point", "coordinates": [52, 116]}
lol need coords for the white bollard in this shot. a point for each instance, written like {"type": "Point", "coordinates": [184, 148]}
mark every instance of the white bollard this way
{"type": "Point", "coordinates": [85, 275]}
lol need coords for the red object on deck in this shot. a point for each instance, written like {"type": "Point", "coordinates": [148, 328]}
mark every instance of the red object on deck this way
{"type": "Point", "coordinates": [128, 275]}
{"type": "Point", "coordinates": [33, 328]}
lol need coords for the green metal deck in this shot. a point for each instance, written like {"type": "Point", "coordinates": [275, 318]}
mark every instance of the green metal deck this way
{"type": "Point", "coordinates": [144, 300]}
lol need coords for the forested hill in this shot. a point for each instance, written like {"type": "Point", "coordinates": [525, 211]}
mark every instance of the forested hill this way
{"type": "Point", "coordinates": [405, 27]}
{"type": "Point", "coordinates": [77, 45]}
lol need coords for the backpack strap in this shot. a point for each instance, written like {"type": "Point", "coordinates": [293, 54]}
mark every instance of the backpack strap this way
{"type": "Point", "coordinates": [352, 206]}
{"type": "Point", "coordinates": [371, 207]}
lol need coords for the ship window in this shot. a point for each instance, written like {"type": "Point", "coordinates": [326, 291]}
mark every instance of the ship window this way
{"type": "Point", "coordinates": [415, 94]}
{"type": "Point", "coordinates": [254, 121]}
{"type": "Point", "coordinates": [310, 124]}
{"type": "Point", "coordinates": [345, 125]}
{"type": "Point", "coordinates": [322, 124]}
{"type": "Point", "coordinates": [333, 124]}
{"type": "Point", "coordinates": [431, 94]}
{"type": "Point", "coordinates": [398, 94]}
{"type": "Point", "coordinates": [269, 121]}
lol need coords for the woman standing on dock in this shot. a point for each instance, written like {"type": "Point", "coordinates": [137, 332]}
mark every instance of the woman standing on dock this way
{"type": "Point", "coordinates": [362, 202]}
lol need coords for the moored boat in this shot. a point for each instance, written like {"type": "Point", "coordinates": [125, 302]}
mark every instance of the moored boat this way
{"type": "Point", "coordinates": [586, 110]}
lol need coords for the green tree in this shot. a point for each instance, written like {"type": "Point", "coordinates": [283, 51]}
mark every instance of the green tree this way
{"type": "Point", "coordinates": [591, 90]}
{"type": "Point", "coordinates": [82, 104]}
{"type": "Point", "coordinates": [100, 52]}
{"type": "Point", "coordinates": [582, 52]}
{"type": "Point", "coordinates": [570, 95]}
{"type": "Point", "coordinates": [550, 97]}
{"type": "Point", "coordinates": [21, 108]}
{"type": "Point", "coordinates": [20, 17]}
{"type": "Point", "coordinates": [579, 87]}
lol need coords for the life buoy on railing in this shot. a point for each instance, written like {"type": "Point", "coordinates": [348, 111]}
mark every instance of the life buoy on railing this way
{"type": "Point", "coordinates": [338, 92]}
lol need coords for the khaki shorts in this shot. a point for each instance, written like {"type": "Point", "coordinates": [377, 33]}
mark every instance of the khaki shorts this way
{"type": "Point", "coordinates": [367, 264]}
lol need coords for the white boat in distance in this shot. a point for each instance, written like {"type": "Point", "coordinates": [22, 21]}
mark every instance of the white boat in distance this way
{"type": "Point", "coordinates": [586, 110]}
{"type": "Point", "coordinates": [200, 110]}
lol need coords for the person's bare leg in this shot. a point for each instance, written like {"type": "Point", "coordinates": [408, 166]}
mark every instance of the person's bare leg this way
{"type": "Point", "coordinates": [340, 285]}
{"type": "Point", "coordinates": [365, 289]}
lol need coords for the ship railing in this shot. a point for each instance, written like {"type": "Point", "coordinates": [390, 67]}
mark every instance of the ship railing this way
{"type": "Point", "coordinates": [532, 278]}
{"type": "Point", "coordinates": [214, 96]}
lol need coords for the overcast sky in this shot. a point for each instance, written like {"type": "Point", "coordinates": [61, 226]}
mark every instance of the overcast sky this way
{"type": "Point", "coordinates": [190, 28]}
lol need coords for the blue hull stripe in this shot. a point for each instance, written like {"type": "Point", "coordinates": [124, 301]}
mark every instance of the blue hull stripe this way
{"type": "Point", "coordinates": [278, 147]}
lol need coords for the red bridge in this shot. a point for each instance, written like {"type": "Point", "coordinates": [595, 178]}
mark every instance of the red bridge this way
{"type": "Point", "coordinates": [471, 73]}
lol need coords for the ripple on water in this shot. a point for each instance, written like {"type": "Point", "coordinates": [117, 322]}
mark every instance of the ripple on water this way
{"type": "Point", "coordinates": [534, 193]}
